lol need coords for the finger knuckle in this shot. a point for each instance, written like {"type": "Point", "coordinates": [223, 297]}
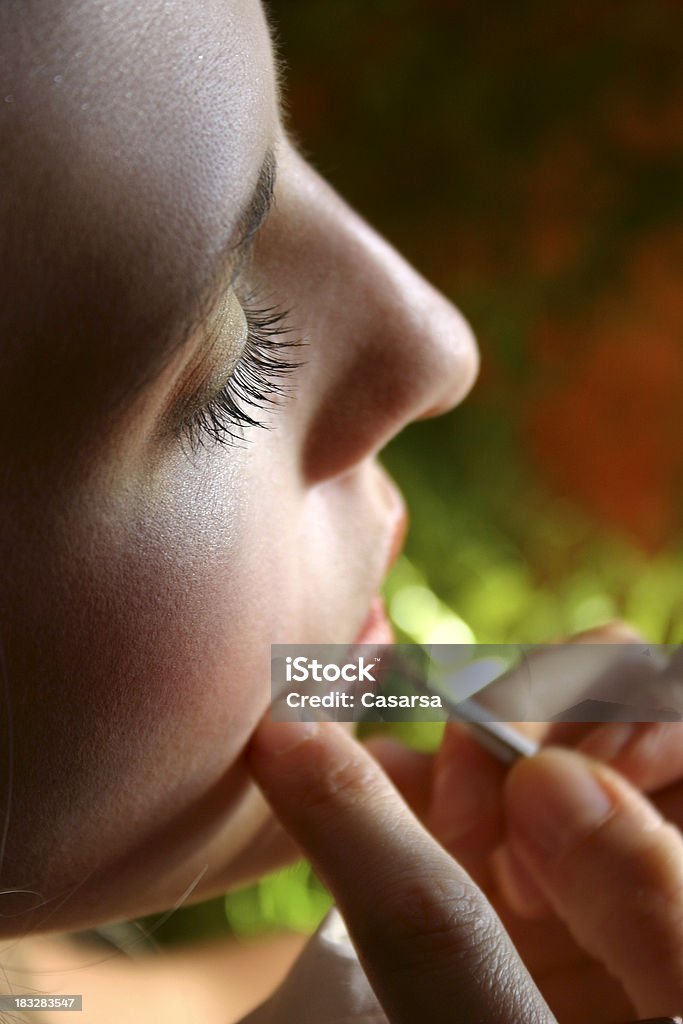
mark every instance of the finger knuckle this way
{"type": "Point", "coordinates": [439, 918]}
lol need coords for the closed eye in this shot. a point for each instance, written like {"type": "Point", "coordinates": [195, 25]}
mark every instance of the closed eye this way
{"type": "Point", "coordinates": [259, 379]}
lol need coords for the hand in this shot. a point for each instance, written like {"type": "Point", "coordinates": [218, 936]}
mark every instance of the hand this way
{"type": "Point", "coordinates": [428, 939]}
{"type": "Point", "coordinates": [589, 881]}
{"type": "Point", "coordinates": [605, 858]}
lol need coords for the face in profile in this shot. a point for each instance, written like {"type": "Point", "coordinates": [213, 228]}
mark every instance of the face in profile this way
{"type": "Point", "coordinates": [167, 248]}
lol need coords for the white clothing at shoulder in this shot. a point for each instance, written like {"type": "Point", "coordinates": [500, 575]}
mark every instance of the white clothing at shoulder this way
{"type": "Point", "coordinates": [326, 985]}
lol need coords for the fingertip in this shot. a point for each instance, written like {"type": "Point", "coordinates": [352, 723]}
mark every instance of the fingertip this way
{"type": "Point", "coordinates": [273, 739]}
{"type": "Point", "coordinates": [648, 754]}
{"type": "Point", "coordinates": [608, 742]}
{"type": "Point", "coordinates": [298, 762]}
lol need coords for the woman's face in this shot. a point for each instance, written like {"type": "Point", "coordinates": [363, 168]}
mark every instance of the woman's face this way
{"type": "Point", "coordinates": [148, 566]}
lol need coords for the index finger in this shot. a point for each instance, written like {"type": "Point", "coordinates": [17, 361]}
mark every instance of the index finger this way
{"type": "Point", "coordinates": [430, 943]}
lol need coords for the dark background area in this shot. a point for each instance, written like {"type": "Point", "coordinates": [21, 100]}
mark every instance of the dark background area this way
{"type": "Point", "coordinates": [527, 157]}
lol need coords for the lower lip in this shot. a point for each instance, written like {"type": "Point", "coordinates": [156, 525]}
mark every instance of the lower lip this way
{"type": "Point", "coordinates": [376, 629]}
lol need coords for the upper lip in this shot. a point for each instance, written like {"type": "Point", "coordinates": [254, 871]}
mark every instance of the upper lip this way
{"type": "Point", "coordinates": [393, 531]}
{"type": "Point", "coordinates": [398, 535]}
{"type": "Point", "coordinates": [399, 526]}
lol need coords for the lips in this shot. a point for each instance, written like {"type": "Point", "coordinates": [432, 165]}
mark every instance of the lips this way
{"type": "Point", "coordinates": [399, 533]}
{"type": "Point", "coordinates": [376, 629]}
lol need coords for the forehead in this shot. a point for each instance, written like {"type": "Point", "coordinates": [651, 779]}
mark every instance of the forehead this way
{"type": "Point", "coordinates": [158, 93]}
{"type": "Point", "coordinates": [132, 136]}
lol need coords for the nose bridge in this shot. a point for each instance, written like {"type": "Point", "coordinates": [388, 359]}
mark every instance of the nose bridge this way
{"type": "Point", "coordinates": [385, 347]}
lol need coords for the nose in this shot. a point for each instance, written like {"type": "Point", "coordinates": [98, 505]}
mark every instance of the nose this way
{"type": "Point", "coordinates": [384, 346]}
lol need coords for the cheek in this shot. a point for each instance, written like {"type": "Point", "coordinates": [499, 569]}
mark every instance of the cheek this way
{"type": "Point", "coordinates": [138, 667]}
{"type": "Point", "coordinates": [177, 635]}
{"type": "Point", "coordinates": [139, 652]}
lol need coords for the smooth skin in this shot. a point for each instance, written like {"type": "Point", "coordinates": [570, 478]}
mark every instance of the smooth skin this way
{"type": "Point", "coordinates": [143, 583]}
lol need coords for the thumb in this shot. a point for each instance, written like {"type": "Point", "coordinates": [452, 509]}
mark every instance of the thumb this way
{"type": "Point", "coordinates": [429, 941]}
{"type": "Point", "coordinates": [609, 864]}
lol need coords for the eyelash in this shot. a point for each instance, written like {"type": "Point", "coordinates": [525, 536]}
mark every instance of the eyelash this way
{"type": "Point", "coordinates": [259, 379]}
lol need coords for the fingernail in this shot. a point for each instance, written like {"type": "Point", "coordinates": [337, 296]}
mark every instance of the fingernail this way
{"type": "Point", "coordinates": [608, 742]}
{"type": "Point", "coordinates": [554, 801]}
{"type": "Point", "coordinates": [273, 739]}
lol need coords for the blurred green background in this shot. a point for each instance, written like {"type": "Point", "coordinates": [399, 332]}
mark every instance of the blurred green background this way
{"type": "Point", "coordinates": [527, 157]}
